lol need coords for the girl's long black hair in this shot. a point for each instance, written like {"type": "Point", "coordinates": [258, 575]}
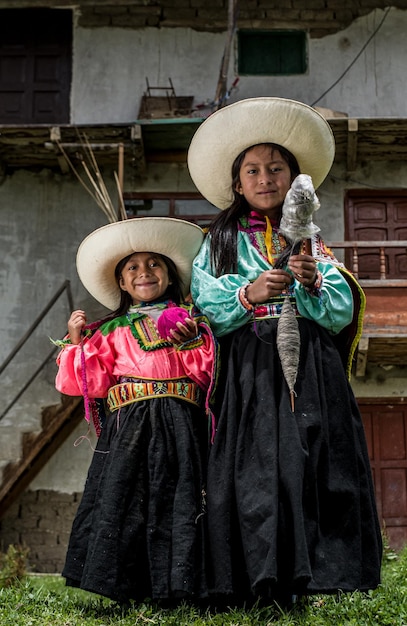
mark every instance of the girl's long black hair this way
{"type": "Point", "coordinates": [223, 228]}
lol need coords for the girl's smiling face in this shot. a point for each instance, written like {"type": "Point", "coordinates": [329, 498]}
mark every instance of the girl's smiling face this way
{"type": "Point", "coordinates": [265, 178]}
{"type": "Point", "coordinates": [145, 277]}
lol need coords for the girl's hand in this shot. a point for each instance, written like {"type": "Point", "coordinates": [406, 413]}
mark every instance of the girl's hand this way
{"type": "Point", "coordinates": [186, 331]}
{"type": "Point", "coordinates": [304, 268]}
{"type": "Point", "coordinates": [270, 283]}
{"type": "Point", "coordinates": [76, 324]}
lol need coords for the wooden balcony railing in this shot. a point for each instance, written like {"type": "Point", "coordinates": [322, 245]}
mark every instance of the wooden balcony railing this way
{"type": "Point", "coordinates": [355, 246]}
{"type": "Point", "coordinates": [384, 337]}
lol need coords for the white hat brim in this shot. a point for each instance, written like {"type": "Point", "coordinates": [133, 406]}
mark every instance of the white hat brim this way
{"type": "Point", "coordinates": [100, 252]}
{"type": "Point", "coordinates": [226, 133]}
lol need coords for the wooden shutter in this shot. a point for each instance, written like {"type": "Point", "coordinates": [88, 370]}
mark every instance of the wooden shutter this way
{"type": "Point", "coordinates": [377, 216]}
{"type": "Point", "coordinates": [35, 66]}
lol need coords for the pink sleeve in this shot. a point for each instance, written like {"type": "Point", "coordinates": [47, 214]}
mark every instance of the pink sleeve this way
{"type": "Point", "coordinates": [99, 361]}
{"type": "Point", "coordinates": [199, 361]}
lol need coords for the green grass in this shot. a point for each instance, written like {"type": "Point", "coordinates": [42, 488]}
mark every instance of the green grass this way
{"type": "Point", "coordinates": [45, 601]}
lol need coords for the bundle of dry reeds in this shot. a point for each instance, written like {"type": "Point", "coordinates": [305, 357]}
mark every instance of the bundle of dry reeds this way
{"type": "Point", "coordinates": [95, 184]}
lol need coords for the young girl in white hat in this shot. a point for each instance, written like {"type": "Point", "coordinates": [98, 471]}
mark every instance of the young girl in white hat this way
{"type": "Point", "coordinates": [138, 532]}
{"type": "Point", "coordinates": [291, 506]}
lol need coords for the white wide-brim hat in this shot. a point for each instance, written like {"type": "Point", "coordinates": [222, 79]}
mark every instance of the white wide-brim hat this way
{"type": "Point", "coordinates": [226, 133]}
{"type": "Point", "coordinates": [100, 252]}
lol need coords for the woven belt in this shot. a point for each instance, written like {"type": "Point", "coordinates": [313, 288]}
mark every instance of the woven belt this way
{"type": "Point", "coordinates": [128, 392]}
{"type": "Point", "coordinates": [273, 309]}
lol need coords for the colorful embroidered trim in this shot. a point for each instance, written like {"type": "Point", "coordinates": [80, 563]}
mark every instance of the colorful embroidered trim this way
{"type": "Point", "coordinates": [128, 392]}
{"type": "Point", "coordinates": [353, 331]}
{"type": "Point", "coordinates": [145, 332]}
{"type": "Point", "coordinates": [273, 309]}
{"type": "Point", "coordinates": [195, 342]}
{"type": "Point", "coordinates": [263, 234]}
{"type": "Point", "coordinates": [321, 252]}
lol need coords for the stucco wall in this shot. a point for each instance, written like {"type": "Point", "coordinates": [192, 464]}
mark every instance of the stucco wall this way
{"type": "Point", "coordinates": [111, 66]}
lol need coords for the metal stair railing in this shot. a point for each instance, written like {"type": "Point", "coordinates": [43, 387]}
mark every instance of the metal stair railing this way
{"type": "Point", "coordinates": [65, 287]}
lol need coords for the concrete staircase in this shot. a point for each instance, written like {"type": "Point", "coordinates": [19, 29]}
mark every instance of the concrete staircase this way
{"type": "Point", "coordinates": [24, 453]}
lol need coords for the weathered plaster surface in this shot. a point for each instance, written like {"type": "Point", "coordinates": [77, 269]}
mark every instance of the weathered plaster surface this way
{"type": "Point", "coordinates": [111, 66]}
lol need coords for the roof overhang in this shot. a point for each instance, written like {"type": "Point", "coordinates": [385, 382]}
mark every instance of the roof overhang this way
{"type": "Point", "coordinates": [358, 140]}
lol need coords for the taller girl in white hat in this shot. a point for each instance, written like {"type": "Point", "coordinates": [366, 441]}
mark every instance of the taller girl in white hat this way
{"type": "Point", "coordinates": [138, 532]}
{"type": "Point", "coordinates": [291, 507]}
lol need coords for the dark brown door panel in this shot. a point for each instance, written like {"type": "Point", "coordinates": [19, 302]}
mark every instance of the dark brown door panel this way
{"type": "Point", "coordinates": [35, 66]}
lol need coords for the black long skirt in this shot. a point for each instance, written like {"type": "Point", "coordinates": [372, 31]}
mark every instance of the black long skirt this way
{"type": "Point", "coordinates": [139, 529]}
{"type": "Point", "coordinates": [291, 506]}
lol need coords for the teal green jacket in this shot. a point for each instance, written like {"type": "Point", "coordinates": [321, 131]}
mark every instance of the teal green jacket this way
{"type": "Point", "coordinates": [218, 298]}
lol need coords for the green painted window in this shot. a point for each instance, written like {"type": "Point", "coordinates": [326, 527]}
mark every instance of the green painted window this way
{"type": "Point", "coordinates": [271, 52]}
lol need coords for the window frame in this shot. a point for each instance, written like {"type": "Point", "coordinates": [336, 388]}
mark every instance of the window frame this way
{"type": "Point", "coordinates": [245, 67]}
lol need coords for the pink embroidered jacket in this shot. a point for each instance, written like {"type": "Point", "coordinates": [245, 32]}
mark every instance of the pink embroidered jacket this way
{"type": "Point", "coordinates": [129, 346]}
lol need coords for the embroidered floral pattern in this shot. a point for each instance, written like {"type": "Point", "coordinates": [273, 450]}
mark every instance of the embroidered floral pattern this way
{"type": "Point", "coordinates": [255, 226]}
{"type": "Point", "coordinates": [144, 329]}
{"type": "Point", "coordinates": [145, 332]}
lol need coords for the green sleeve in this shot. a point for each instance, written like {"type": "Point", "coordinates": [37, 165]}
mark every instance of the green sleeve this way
{"type": "Point", "coordinates": [218, 298]}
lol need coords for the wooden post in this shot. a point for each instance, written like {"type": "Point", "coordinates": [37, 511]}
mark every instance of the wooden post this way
{"type": "Point", "coordinates": [223, 74]}
{"type": "Point", "coordinates": [120, 181]}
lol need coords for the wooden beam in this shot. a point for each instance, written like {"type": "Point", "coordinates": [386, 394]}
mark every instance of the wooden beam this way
{"type": "Point", "coordinates": [361, 361]}
{"type": "Point", "coordinates": [352, 149]}
{"type": "Point", "coordinates": [55, 136]}
{"type": "Point", "coordinates": [139, 156]}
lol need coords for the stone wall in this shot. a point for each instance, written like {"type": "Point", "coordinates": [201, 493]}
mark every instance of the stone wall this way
{"type": "Point", "coordinates": [319, 17]}
{"type": "Point", "coordinates": [41, 520]}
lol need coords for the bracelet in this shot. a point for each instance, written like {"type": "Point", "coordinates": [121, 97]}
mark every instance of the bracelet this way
{"type": "Point", "coordinates": [243, 298]}
{"type": "Point", "coordinates": [191, 343]}
{"type": "Point", "coordinates": [315, 288]}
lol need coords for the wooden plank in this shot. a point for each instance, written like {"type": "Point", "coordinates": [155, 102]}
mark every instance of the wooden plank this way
{"type": "Point", "coordinates": [364, 243]}
{"type": "Point", "coordinates": [376, 139]}
{"type": "Point", "coordinates": [352, 151]}
{"type": "Point", "coordinates": [33, 146]}
{"type": "Point", "coordinates": [361, 359]}
{"type": "Point", "coordinates": [387, 351]}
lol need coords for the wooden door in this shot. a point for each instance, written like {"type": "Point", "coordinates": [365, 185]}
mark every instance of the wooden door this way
{"type": "Point", "coordinates": [386, 434]}
{"type": "Point", "coordinates": [35, 66]}
{"type": "Point", "coordinates": [377, 216]}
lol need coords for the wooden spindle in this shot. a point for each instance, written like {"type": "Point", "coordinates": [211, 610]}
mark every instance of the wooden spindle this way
{"type": "Point", "coordinates": [355, 262]}
{"type": "Point", "coordinates": [382, 263]}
